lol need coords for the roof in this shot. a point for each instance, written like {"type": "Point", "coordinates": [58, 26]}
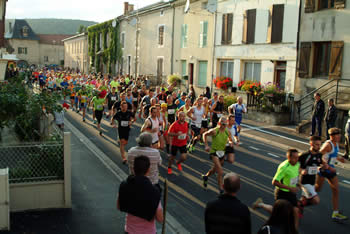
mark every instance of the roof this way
{"type": "Point", "coordinates": [75, 36]}
{"type": "Point", "coordinates": [16, 31]}
{"type": "Point", "coordinates": [52, 39]}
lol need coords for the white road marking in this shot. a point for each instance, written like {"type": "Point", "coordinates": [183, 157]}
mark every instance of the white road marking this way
{"type": "Point", "coordinates": [275, 134]}
{"type": "Point", "coordinates": [252, 147]}
{"type": "Point", "coordinates": [273, 155]}
{"type": "Point", "coordinates": [346, 181]}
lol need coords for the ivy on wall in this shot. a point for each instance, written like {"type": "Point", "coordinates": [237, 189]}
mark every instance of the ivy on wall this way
{"type": "Point", "coordinates": [108, 54]}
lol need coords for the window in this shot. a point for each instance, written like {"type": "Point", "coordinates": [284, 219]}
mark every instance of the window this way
{"type": "Point", "coordinates": [184, 36]}
{"type": "Point", "coordinates": [204, 5]}
{"type": "Point", "coordinates": [25, 31]}
{"type": "Point", "coordinates": [249, 26]}
{"type": "Point", "coordinates": [203, 35]}
{"type": "Point", "coordinates": [226, 33]}
{"type": "Point", "coordinates": [322, 52]}
{"type": "Point", "coordinates": [226, 69]}
{"type": "Point", "coordinates": [277, 23]}
{"type": "Point", "coordinates": [159, 67]}
{"type": "Point", "coordinates": [325, 4]}
{"type": "Point", "coordinates": [252, 71]}
{"type": "Point", "coordinates": [161, 13]}
{"type": "Point", "coordinates": [22, 50]}
{"type": "Point", "coordinates": [122, 41]}
{"type": "Point", "coordinates": [46, 58]}
{"type": "Point", "coordinates": [202, 76]}
{"type": "Point", "coordinates": [183, 68]}
{"type": "Point", "coordinates": [161, 35]}
{"type": "Point", "coordinates": [316, 5]}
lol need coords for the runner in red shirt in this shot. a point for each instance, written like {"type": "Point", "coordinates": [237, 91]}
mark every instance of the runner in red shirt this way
{"type": "Point", "coordinates": [178, 133]}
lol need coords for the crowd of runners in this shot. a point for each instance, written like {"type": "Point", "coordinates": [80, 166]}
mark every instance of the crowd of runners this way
{"type": "Point", "coordinates": [178, 121]}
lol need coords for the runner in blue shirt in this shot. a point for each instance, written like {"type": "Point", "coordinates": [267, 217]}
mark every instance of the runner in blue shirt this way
{"type": "Point", "coordinates": [238, 109]}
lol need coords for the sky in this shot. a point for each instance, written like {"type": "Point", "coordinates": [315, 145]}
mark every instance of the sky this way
{"type": "Point", "coordinates": [91, 10]}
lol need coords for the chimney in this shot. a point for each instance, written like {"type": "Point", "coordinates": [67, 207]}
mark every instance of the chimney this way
{"type": "Point", "coordinates": [126, 8]}
{"type": "Point", "coordinates": [131, 7]}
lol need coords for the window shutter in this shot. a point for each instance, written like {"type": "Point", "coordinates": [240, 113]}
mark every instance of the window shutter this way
{"type": "Point", "coordinates": [309, 6]}
{"type": "Point", "coordinates": [223, 32]}
{"type": "Point", "coordinates": [336, 60]}
{"type": "Point", "coordinates": [277, 23]}
{"type": "Point", "coordinates": [182, 35]}
{"type": "Point", "coordinates": [339, 4]}
{"type": "Point", "coordinates": [229, 28]}
{"type": "Point", "coordinates": [304, 59]}
{"type": "Point", "coordinates": [245, 28]}
{"type": "Point", "coordinates": [251, 25]}
{"type": "Point", "coordinates": [269, 26]}
{"type": "Point", "coordinates": [185, 41]}
{"type": "Point", "coordinates": [201, 35]}
{"type": "Point", "coordinates": [205, 33]}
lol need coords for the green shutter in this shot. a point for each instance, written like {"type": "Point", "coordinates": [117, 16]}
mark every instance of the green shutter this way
{"type": "Point", "coordinates": [201, 34]}
{"type": "Point", "coordinates": [185, 36]}
{"type": "Point", "coordinates": [202, 78]}
{"type": "Point", "coordinates": [183, 68]}
{"type": "Point", "coordinates": [182, 35]}
{"type": "Point", "coordinates": [205, 33]}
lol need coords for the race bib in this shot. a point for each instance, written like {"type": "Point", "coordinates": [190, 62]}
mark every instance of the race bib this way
{"type": "Point", "coordinates": [182, 137]}
{"type": "Point", "coordinates": [332, 161]}
{"type": "Point", "coordinates": [294, 181]}
{"type": "Point", "coordinates": [312, 170]}
{"type": "Point", "coordinates": [171, 111]}
{"type": "Point", "coordinates": [134, 99]}
{"type": "Point", "coordinates": [124, 123]}
{"type": "Point", "coordinates": [219, 115]}
{"type": "Point", "coordinates": [114, 98]}
{"type": "Point", "coordinates": [161, 101]}
{"type": "Point", "coordinates": [198, 125]}
{"type": "Point", "coordinates": [220, 154]}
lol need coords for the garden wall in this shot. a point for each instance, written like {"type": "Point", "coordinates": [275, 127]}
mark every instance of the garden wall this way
{"type": "Point", "coordinates": [273, 118]}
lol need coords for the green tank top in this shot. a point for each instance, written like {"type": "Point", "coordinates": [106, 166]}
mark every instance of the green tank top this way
{"type": "Point", "coordinates": [219, 141]}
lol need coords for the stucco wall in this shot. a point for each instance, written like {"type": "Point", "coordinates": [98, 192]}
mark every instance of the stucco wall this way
{"type": "Point", "coordinates": [55, 54]}
{"type": "Point", "coordinates": [260, 51]}
{"type": "Point", "coordinates": [76, 53]}
{"type": "Point", "coordinates": [33, 55]}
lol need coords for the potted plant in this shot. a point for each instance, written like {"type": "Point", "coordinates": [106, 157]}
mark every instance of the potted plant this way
{"type": "Point", "coordinates": [223, 82]}
{"type": "Point", "coordinates": [174, 80]}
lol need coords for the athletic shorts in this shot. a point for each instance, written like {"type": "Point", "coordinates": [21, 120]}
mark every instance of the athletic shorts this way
{"type": "Point", "coordinates": [98, 115]}
{"type": "Point", "coordinates": [327, 174]}
{"type": "Point", "coordinates": [175, 148]}
{"type": "Point", "coordinates": [72, 97]}
{"type": "Point", "coordinates": [289, 196]}
{"type": "Point", "coordinates": [76, 99]}
{"type": "Point", "coordinates": [229, 150]}
{"type": "Point", "coordinates": [123, 133]}
{"type": "Point", "coordinates": [83, 104]}
{"type": "Point", "coordinates": [135, 104]}
{"type": "Point", "coordinates": [196, 131]}
{"type": "Point", "coordinates": [204, 123]}
{"type": "Point", "coordinates": [110, 105]}
{"type": "Point", "coordinates": [238, 120]}
{"type": "Point", "coordinates": [308, 191]}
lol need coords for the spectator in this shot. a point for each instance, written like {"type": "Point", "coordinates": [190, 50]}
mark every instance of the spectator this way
{"type": "Point", "coordinates": [317, 115]}
{"type": "Point", "coordinates": [227, 214]}
{"type": "Point", "coordinates": [145, 148]}
{"type": "Point", "coordinates": [140, 200]}
{"type": "Point", "coordinates": [331, 116]}
{"type": "Point", "coordinates": [207, 93]}
{"type": "Point", "coordinates": [347, 138]}
{"type": "Point", "coordinates": [281, 220]}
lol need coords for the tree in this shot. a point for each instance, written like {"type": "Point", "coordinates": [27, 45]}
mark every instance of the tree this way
{"type": "Point", "coordinates": [82, 29]}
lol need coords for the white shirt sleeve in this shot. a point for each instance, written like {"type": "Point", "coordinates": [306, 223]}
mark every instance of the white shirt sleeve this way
{"type": "Point", "coordinates": [244, 108]}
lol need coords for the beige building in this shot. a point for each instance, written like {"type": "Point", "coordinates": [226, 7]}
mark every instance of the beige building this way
{"type": "Point", "coordinates": [30, 48]}
{"type": "Point", "coordinates": [76, 52]}
{"type": "Point", "coordinates": [193, 43]}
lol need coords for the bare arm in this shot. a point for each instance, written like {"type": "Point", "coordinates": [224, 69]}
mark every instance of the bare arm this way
{"type": "Point", "coordinates": [211, 132]}
{"type": "Point", "coordinates": [159, 215]}
{"type": "Point", "coordinates": [145, 126]}
{"type": "Point", "coordinates": [280, 185]}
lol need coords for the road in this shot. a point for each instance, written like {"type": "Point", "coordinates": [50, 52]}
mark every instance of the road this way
{"type": "Point", "coordinates": [262, 149]}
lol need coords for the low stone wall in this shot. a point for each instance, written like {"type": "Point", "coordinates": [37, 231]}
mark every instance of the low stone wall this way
{"type": "Point", "coordinates": [273, 118]}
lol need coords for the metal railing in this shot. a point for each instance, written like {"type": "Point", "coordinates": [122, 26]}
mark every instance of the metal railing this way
{"type": "Point", "coordinates": [33, 162]}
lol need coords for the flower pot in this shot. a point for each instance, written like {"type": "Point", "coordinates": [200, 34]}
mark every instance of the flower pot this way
{"type": "Point", "coordinates": [233, 89]}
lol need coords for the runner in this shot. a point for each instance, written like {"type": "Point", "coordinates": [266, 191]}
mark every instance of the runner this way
{"type": "Point", "coordinates": [220, 137]}
{"type": "Point", "coordinates": [72, 95]}
{"type": "Point", "coordinates": [162, 96]}
{"type": "Point", "coordinates": [196, 114]}
{"type": "Point", "coordinates": [98, 103]}
{"type": "Point", "coordinates": [211, 103]}
{"type": "Point", "coordinates": [232, 127]}
{"type": "Point", "coordinates": [309, 163]}
{"type": "Point", "coordinates": [83, 96]}
{"type": "Point", "coordinates": [112, 97]}
{"type": "Point", "coordinates": [135, 100]}
{"type": "Point", "coordinates": [152, 125]}
{"type": "Point", "coordinates": [125, 119]}
{"type": "Point", "coordinates": [181, 101]}
{"type": "Point", "coordinates": [330, 150]}
{"type": "Point", "coordinates": [217, 109]}
{"type": "Point", "coordinates": [145, 104]}
{"type": "Point", "coordinates": [238, 109]}
{"type": "Point", "coordinates": [178, 141]}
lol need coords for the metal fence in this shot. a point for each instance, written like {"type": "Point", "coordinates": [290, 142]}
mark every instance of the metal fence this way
{"type": "Point", "coordinates": [33, 162]}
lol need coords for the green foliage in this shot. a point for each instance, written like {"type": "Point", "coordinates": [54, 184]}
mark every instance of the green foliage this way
{"type": "Point", "coordinates": [229, 100]}
{"type": "Point", "coordinates": [82, 29]}
{"type": "Point", "coordinates": [174, 80]}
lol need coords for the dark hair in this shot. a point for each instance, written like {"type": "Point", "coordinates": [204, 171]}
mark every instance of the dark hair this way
{"type": "Point", "coordinates": [283, 216]}
{"type": "Point", "coordinates": [232, 183]}
{"type": "Point", "coordinates": [291, 151]}
{"type": "Point", "coordinates": [318, 94]}
{"type": "Point", "coordinates": [141, 165]}
{"type": "Point", "coordinates": [152, 108]}
{"type": "Point", "coordinates": [331, 100]}
{"type": "Point", "coordinates": [315, 138]}
{"type": "Point", "coordinates": [123, 102]}
{"type": "Point", "coordinates": [231, 116]}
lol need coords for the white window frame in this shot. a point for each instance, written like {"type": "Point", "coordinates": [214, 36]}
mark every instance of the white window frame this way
{"type": "Point", "coordinates": [159, 45]}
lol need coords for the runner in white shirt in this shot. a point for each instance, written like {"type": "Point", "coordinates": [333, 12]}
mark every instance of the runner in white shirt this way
{"type": "Point", "coordinates": [196, 114]}
{"type": "Point", "coordinates": [152, 125]}
{"type": "Point", "coordinates": [238, 109]}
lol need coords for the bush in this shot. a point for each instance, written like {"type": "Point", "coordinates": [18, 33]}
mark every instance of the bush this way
{"type": "Point", "coordinates": [229, 100]}
{"type": "Point", "coordinates": [174, 80]}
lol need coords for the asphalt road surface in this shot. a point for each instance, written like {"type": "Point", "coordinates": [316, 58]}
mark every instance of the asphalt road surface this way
{"type": "Point", "coordinates": [263, 148]}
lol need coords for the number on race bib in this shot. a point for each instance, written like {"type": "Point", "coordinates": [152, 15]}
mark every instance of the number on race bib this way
{"type": "Point", "coordinates": [171, 111]}
{"type": "Point", "coordinates": [294, 181]}
{"type": "Point", "coordinates": [124, 123]}
{"type": "Point", "coordinates": [219, 115]}
{"type": "Point", "coordinates": [220, 154]}
{"type": "Point", "coordinates": [312, 170]}
{"type": "Point", "coordinates": [182, 137]}
{"type": "Point", "coordinates": [114, 98]}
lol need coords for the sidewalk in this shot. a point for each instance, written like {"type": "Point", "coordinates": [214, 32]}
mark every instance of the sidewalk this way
{"type": "Point", "coordinates": [94, 192]}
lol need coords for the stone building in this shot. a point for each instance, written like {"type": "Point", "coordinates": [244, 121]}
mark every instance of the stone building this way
{"type": "Point", "coordinates": [76, 52]}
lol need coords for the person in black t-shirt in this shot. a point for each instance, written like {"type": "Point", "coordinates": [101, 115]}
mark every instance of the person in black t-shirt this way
{"type": "Point", "coordinates": [162, 96]}
{"type": "Point", "coordinates": [172, 108]}
{"type": "Point", "coordinates": [217, 109]}
{"type": "Point", "coordinates": [117, 105]}
{"type": "Point", "coordinates": [125, 119]}
{"type": "Point", "coordinates": [310, 161]}
{"type": "Point", "coordinates": [112, 97]}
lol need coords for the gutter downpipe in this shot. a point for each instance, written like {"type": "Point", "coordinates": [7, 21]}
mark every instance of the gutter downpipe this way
{"type": "Point", "coordinates": [297, 65]}
{"type": "Point", "coordinates": [172, 42]}
{"type": "Point", "coordinates": [213, 56]}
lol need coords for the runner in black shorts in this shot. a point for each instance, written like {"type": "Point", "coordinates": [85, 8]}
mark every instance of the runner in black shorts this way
{"type": "Point", "coordinates": [112, 97]}
{"type": "Point", "coordinates": [125, 119]}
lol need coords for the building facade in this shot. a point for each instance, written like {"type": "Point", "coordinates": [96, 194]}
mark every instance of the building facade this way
{"type": "Point", "coordinates": [76, 52]}
{"type": "Point", "coordinates": [256, 40]}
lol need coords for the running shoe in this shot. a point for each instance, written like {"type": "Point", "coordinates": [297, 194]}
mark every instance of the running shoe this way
{"type": "Point", "coordinates": [338, 216]}
{"type": "Point", "coordinates": [83, 119]}
{"type": "Point", "coordinates": [201, 142]}
{"type": "Point", "coordinates": [205, 181]}
{"type": "Point", "coordinates": [189, 148]}
{"type": "Point", "coordinates": [179, 166]}
{"type": "Point", "coordinates": [170, 171]}
{"type": "Point", "coordinates": [100, 133]}
{"type": "Point", "coordinates": [95, 122]}
{"type": "Point", "coordinates": [255, 204]}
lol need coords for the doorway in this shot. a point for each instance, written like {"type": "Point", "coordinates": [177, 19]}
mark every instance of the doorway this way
{"type": "Point", "coordinates": [280, 74]}
{"type": "Point", "coordinates": [190, 74]}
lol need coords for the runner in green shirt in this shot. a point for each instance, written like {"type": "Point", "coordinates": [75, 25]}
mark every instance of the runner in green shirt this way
{"type": "Point", "coordinates": [222, 145]}
{"type": "Point", "coordinates": [98, 102]}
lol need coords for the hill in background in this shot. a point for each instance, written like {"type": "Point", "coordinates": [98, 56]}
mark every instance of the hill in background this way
{"type": "Point", "coordinates": [54, 26]}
